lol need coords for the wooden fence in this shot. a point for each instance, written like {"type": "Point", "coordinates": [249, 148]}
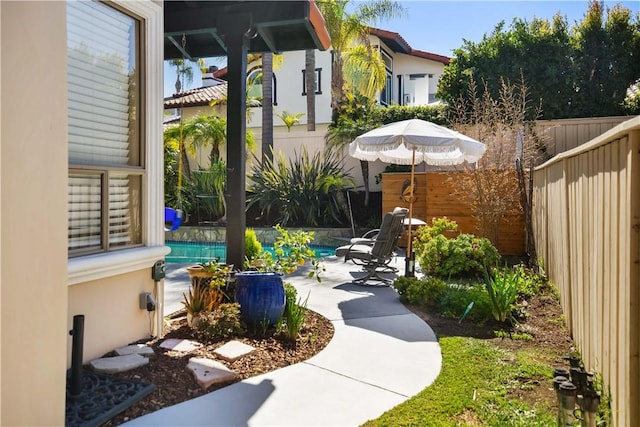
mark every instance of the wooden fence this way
{"type": "Point", "coordinates": [565, 134]}
{"type": "Point", "coordinates": [586, 223]}
{"type": "Point", "coordinates": [435, 198]}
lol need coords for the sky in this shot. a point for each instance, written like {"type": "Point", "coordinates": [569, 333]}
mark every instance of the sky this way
{"type": "Point", "coordinates": [441, 26]}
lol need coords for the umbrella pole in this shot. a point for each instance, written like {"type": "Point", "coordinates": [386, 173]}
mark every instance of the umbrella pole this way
{"type": "Point", "coordinates": [409, 259]}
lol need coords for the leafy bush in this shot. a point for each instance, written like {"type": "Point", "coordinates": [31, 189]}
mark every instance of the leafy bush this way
{"type": "Point", "coordinates": [424, 292]}
{"type": "Point", "coordinates": [529, 283]}
{"type": "Point", "coordinates": [431, 113]}
{"type": "Point", "coordinates": [291, 250]}
{"type": "Point", "coordinates": [305, 190]}
{"type": "Point", "coordinates": [456, 298]}
{"type": "Point", "coordinates": [252, 246]}
{"type": "Point", "coordinates": [445, 257]}
{"type": "Point", "coordinates": [502, 287]}
{"type": "Point", "coordinates": [223, 322]}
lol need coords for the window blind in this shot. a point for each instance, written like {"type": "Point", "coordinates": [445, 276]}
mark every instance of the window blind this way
{"type": "Point", "coordinates": [102, 98]}
{"type": "Point", "coordinates": [101, 63]}
{"type": "Point", "coordinates": [85, 215]}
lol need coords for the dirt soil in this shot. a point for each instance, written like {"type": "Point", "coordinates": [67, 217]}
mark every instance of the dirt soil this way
{"type": "Point", "coordinates": [174, 384]}
{"type": "Point", "coordinates": [167, 369]}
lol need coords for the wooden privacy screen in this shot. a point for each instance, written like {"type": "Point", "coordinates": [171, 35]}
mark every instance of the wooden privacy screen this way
{"type": "Point", "coordinates": [434, 198]}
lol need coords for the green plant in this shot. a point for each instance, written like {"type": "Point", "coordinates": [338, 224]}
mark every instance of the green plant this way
{"type": "Point", "coordinates": [518, 336]}
{"type": "Point", "coordinates": [306, 190]}
{"type": "Point", "coordinates": [456, 298]}
{"type": "Point", "coordinates": [294, 315]}
{"type": "Point", "coordinates": [502, 287]}
{"type": "Point", "coordinates": [425, 292]}
{"type": "Point", "coordinates": [289, 119]}
{"type": "Point", "coordinates": [223, 322]}
{"type": "Point", "coordinates": [529, 283]}
{"type": "Point", "coordinates": [200, 299]}
{"type": "Point", "coordinates": [205, 191]}
{"type": "Point", "coordinates": [445, 257]}
{"type": "Point", "coordinates": [252, 246]}
{"type": "Point", "coordinates": [290, 293]}
{"type": "Point", "coordinates": [291, 250]}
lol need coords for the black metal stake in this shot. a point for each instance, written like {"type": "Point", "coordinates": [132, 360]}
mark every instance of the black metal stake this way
{"type": "Point", "coordinates": [410, 264]}
{"type": "Point", "coordinates": [76, 355]}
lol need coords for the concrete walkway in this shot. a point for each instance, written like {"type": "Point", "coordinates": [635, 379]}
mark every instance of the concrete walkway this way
{"type": "Point", "coordinates": [381, 354]}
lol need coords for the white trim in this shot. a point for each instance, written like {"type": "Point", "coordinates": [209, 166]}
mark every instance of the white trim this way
{"type": "Point", "coordinates": [100, 266]}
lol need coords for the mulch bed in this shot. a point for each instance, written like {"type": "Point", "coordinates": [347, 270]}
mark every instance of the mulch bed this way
{"type": "Point", "coordinates": [174, 384]}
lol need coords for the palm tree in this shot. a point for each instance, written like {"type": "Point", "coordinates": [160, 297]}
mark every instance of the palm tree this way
{"type": "Point", "coordinates": [267, 106]}
{"type": "Point", "coordinates": [357, 118]}
{"type": "Point", "coordinates": [184, 72]}
{"type": "Point", "coordinates": [356, 66]}
{"type": "Point", "coordinates": [346, 29]}
{"type": "Point", "coordinates": [310, 76]}
{"type": "Point", "coordinates": [207, 131]}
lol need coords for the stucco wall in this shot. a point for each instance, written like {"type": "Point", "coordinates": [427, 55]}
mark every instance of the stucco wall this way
{"type": "Point", "coordinates": [112, 314]}
{"type": "Point", "coordinates": [289, 89]}
{"type": "Point", "coordinates": [34, 213]}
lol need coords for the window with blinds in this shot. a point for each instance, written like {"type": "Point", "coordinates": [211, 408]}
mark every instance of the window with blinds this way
{"type": "Point", "coordinates": [105, 167]}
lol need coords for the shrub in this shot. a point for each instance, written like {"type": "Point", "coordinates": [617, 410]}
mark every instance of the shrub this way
{"type": "Point", "coordinates": [223, 322]}
{"type": "Point", "coordinates": [443, 257]}
{"type": "Point", "coordinates": [303, 191]}
{"type": "Point", "coordinates": [456, 298]}
{"type": "Point", "coordinates": [252, 246]}
{"type": "Point", "coordinates": [425, 292]}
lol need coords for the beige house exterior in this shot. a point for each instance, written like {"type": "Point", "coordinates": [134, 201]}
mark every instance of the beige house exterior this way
{"type": "Point", "coordinates": [42, 288]}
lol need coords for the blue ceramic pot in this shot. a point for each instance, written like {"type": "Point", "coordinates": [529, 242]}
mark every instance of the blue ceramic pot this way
{"type": "Point", "coordinates": [260, 295]}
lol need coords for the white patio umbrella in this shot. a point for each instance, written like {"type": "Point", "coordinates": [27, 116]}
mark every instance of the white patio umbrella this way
{"type": "Point", "coordinates": [410, 141]}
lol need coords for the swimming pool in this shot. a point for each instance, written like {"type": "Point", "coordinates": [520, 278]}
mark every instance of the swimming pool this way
{"type": "Point", "coordinates": [193, 252]}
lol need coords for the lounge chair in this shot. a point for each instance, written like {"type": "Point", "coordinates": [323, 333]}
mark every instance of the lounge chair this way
{"type": "Point", "coordinates": [375, 252]}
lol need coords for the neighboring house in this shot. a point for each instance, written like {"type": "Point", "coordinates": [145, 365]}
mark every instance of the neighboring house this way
{"type": "Point", "coordinates": [81, 173]}
{"type": "Point", "coordinates": [412, 79]}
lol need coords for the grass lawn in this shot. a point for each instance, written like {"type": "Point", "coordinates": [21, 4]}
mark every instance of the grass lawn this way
{"type": "Point", "coordinates": [488, 378]}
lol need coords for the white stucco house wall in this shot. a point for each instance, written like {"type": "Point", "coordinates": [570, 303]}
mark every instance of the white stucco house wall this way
{"type": "Point", "coordinates": [412, 79]}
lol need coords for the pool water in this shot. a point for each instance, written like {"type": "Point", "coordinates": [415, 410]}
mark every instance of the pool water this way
{"type": "Point", "coordinates": [193, 252]}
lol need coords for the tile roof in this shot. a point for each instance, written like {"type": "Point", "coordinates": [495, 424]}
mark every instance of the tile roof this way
{"type": "Point", "coordinates": [196, 97]}
{"type": "Point", "coordinates": [398, 44]}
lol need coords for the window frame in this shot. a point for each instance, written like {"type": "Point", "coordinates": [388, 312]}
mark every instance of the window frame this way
{"type": "Point", "coordinates": [274, 84]}
{"type": "Point", "coordinates": [388, 86]}
{"type": "Point", "coordinates": [318, 90]}
{"type": "Point", "coordinates": [97, 266]}
{"type": "Point", "coordinates": [136, 149]}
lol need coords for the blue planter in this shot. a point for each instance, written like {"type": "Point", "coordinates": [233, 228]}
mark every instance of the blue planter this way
{"type": "Point", "coordinates": [260, 295]}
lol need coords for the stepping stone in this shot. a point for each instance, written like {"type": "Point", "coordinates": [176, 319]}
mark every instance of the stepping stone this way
{"type": "Point", "coordinates": [112, 365]}
{"type": "Point", "coordinates": [141, 349]}
{"type": "Point", "coordinates": [185, 346]}
{"type": "Point", "coordinates": [233, 350]}
{"type": "Point", "coordinates": [207, 372]}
